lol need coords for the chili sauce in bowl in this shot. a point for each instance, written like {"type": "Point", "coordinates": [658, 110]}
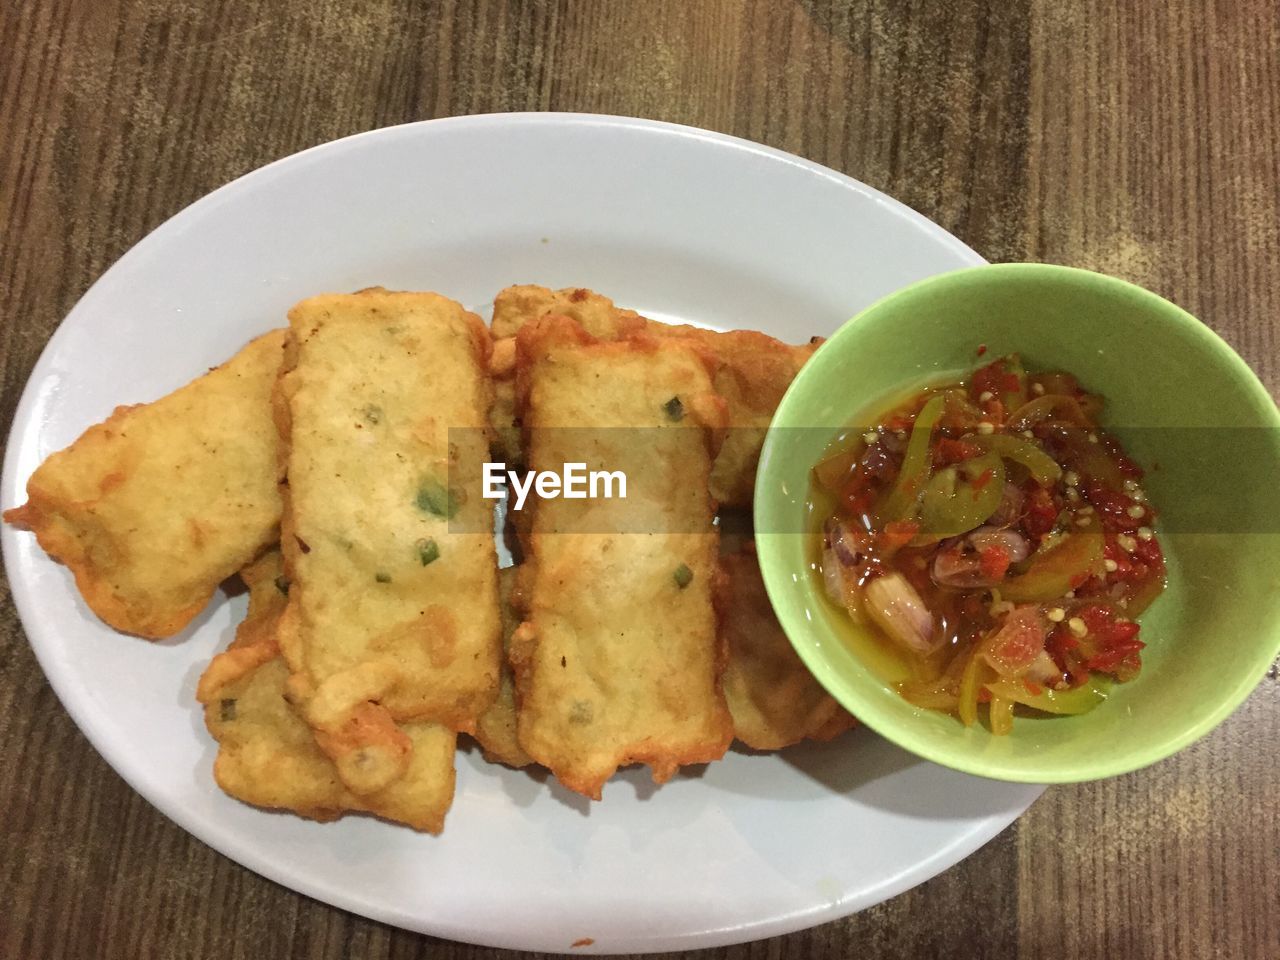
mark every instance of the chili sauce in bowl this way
{"type": "Point", "coordinates": [996, 540]}
{"type": "Point", "coordinates": [1099, 605]}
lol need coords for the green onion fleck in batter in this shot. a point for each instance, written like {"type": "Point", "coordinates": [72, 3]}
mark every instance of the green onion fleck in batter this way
{"type": "Point", "coordinates": [683, 576]}
{"type": "Point", "coordinates": [428, 551]}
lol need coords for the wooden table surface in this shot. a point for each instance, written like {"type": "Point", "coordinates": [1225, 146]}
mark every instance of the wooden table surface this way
{"type": "Point", "coordinates": [1135, 138]}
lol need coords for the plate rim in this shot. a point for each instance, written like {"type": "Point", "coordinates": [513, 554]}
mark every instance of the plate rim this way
{"type": "Point", "coordinates": [239, 849]}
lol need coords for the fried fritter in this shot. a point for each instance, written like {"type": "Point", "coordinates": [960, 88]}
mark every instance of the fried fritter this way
{"type": "Point", "coordinates": [382, 406]}
{"type": "Point", "coordinates": [496, 729]}
{"type": "Point", "coordinates": [617, 660]}
{"type": "Point", "coordinates": [512, 309]}
{"type": "Point", "coordinates": [752, 374]}
{"type": "Point", "coordinates": [156, 506]}
{"type": "Point", "coordinates": [267, 755]}
{"type": "Point", "coordinates": [774, 699]}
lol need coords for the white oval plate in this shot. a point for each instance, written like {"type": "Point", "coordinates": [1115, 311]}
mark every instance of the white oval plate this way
{"type": "Point", "coordinates": [676, 222]}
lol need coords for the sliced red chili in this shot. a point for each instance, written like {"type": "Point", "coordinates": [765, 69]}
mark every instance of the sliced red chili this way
{"type": "Point", "coordinates": [994, 379]}
{"type": "Point", "coordinates": [994, 562]}
{"type": "Point", "coordinates": [1113, 506]}
{"type": "Point", "coordinates": [1041, 512]}
{"type": "Point", "coordinates": [1115, 655]}
{"type": "Point", "coordinates": [1149, 552]}
{"type": "Point", "coordinates": [897, 534]}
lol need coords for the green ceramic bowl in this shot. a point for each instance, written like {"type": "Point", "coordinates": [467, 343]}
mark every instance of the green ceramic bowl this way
{"type": "Point", "coordinates": [1180, 400]}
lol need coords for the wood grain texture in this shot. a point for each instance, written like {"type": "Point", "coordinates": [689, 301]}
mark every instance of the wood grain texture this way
{"type": "Point", "coordinates": [1135, 138]}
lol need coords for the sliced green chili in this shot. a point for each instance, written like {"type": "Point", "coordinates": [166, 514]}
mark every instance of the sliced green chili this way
{"type": "Point", "coordinates": [1052, 406]}
{"type": "Point", "coordinates": [1043, 468]}
{"type": "Point", "coordinates": [901, 501]}
{"type": "Point", "coordinates": [958, 498]}
{"type": "Point", "coordinates": [1063, 567]}
{"type": "Point", "coordinates": [1077, 700]}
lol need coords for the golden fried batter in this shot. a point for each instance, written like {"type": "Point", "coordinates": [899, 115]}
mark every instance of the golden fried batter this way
{"type": "Point", "coordinates": [515, 306]}
{"type": "Point", "coordinates": [617, 660]}
{"type": "Point", "coordinates": [496, 729]}
{"type": "Point", "coordinates": [752, 374]}
{"type": "Point", "coordinates": [267, 755]}
{"type": "Point", "coordinates": [774, 699]}
{"type": "Point", "coordinates": [155, 507]}
{"type": "Point", "coordinates": [393, 612]}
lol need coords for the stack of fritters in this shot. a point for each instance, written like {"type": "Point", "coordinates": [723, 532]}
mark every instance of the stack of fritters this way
{"type": "Point", "coordinates": [380, 628]}
{"type": "Point", "coordinates": [267, 755]}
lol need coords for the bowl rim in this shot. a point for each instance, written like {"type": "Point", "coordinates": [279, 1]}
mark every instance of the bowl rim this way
{"type": "Point", "coordinates": [777, 583]}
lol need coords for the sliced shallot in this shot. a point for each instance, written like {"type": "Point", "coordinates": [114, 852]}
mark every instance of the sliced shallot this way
{"type": "Point", "coordinates": [1012, 543]}
{"type": "Point", "coordinates": [897, 609]}
{"type": "Point", "coordinates": [833, 576]}
{"type": "Point", "coordinates": [958, 563]}
{"type": "Point", "coordinates": [1010, 509]}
